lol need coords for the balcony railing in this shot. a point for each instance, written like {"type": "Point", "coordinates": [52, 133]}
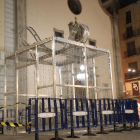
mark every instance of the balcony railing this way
{"type": "Point", "coordinates": [132, 75]}
{"type": "Point", "coordinates": [132, 53]}
{"type": "Point", "coordinates": [130, 35]}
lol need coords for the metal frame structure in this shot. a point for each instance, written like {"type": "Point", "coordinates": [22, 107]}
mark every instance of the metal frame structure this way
{"type": "Point", "coordinates": [53, 41]}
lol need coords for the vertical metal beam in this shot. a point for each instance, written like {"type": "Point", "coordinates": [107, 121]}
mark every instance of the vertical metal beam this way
{"type": "Point", "coordinates": [16, 84]}
{"type": "Point", "coordinates": [60, 81]}
{"type": "Point", "coordinates": [86, 72]}
{"type": "Point", "coordinates": [110, 70]}
{"type": "Point", "coordinates": [54, 68]}
{"type": "Point", "coordinates": [73, 83]}
{"type": "Point", "coordinates": [36, 72]}
{"type": "Point", "coordinates": [94, 74]}
{"type": "Point", "coordinates": [5, 90]}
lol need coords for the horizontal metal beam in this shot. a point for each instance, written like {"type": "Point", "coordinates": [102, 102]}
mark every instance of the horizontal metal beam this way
{"type": "Point", "coordinates": [26, 95]}
{"type": "Point", "coordinates": [78, 86]}
{"type": "Point", "coordinates": [9, 55]}
{"type": "Point", "coordinates": [26, 65]}
{"type": "Point", "coordinates": [29, 47]}
{"type": "Point", "coordinates": [81, 44]}
{"type": "Point", "coordinates": [58, 39]}
{"type": "Point", "coordinates": [46, 86]}
{"type": "Point", "coordinates": [5, 94]}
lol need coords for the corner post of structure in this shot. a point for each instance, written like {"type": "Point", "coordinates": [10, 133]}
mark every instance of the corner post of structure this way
{"type": "Point", "coordinates": [110, 70]}
{"type": "Point", "coordinates": [86, 74]}
{"type": "Point", "coordinates": [5, 90]}
{"type": "Point", "coordinates": [16, 74]}
{"type": "Point", "coordinates": [36, 81]}
{"type": "Point", "coordinates": [36, 72]}
{"type": "Point", "coordinates": [54, 67]}
{"type": "Point", "coordinates": [60, 81]}
{"type": "Point", "coordinates": [73, 82]}
{"type": "Point", "coordinates": [94, 73]}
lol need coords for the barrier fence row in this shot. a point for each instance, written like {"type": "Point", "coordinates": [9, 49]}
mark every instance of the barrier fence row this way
{"type": "Point", "coordinates": [53, 114]}
{"type": "Point", "coordinates": [49, 114]}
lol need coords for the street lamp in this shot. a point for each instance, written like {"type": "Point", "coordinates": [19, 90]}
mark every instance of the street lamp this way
{"type": "Point", "coordinates": [133, 70]}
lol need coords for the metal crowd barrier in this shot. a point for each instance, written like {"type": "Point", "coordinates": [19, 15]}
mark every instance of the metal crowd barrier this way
{"type": "Point", "coordinates": [107, 113]}
{"type": "Point", "coordinates": [1, 120]}
{"type": "Point", "coordinates": [129, 111]}
{"type": "Point", "coordinates": [80, 113]}
{"type": "Point", "coordinates": [49, 114]}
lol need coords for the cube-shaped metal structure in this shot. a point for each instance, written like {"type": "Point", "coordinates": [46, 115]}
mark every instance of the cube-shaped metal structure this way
{"type": "Point", "coordinates": [56, 68]}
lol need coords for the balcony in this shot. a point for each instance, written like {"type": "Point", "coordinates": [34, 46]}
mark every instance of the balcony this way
{"type": "Point", "coordinates": [132, 53]}
{"type": "Point", "coordinates": [130, 35]}
{"type": "Point", "coordinates": [132, 75]}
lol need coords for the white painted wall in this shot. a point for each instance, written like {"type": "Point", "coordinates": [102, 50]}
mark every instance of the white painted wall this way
{"type": "Point", "coordinates": [44, 15]}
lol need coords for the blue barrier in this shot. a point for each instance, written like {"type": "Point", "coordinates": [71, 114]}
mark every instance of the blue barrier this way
{"type": "Point", "coordinates": [129, 111]}
{"type": "Point", "coordinates": [48, 106]}
{"type": "Point", "coordinates": [79, 113]}
{"type": "Point", "coordinates": [81, 106]}
{"type": "Point", "coordinates": [106, 113]}
{"type": "Point", "coordinates": [1, 120]}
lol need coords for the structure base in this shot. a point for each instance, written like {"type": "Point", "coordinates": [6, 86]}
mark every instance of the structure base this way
{"type": "Point", "coordinates": [36, 136]}
{"type": "Point", "coordinates": [89, 132]}
{"type": "Point", "coordinates": [56, 136]}
{"type": "Point", "coordinates": [136, 127]}
{"type": "Point", "coordinates": [115, 129]}
{"type": "Point", "coordinates": [102, 131]}
{"type": "Point", "coordinates": [125, 128]}
{"type": "Point", "coordinates": [72, 134]}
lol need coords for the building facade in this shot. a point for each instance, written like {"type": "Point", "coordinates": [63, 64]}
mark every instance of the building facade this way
{"type": "Point", "coordinates": [129, 25]}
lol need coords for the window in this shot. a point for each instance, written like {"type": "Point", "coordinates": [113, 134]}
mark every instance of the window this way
{"type": "Point", "coordinates": [133, 67]}
{"type": "Point", "coordinates": [58, 33]}
{"type": "Point", "coordinates": [128, 17]}
{"type": "Point", "coordinates": [129, 32]}
{"type": "Point", "coordinates": [131, 49]}
{"type": "Point", "coordinates": [92, 42]}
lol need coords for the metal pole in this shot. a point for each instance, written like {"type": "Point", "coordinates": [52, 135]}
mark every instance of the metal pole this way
{"type": "Point", "coordinates": [16, 72]}
{"type": "Point", "coordinates": [73, 83]}
{"type": "Point", "coordinates": [60, 81]}
{"type": "Point", "coordinates": [5, 90]}
{"type": "Point", "coordinates": [54, 67]}
{"type": "Point", "coordinates": [94, 73]}
{"type": "Point", "coordinates": [86, 73]}
{"type": "Point", "coordinates": [36, 85]}
{"type": "Point", "coordinates": [110, 69]}
{"type": "Point", "coordinates": [37, 72]}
